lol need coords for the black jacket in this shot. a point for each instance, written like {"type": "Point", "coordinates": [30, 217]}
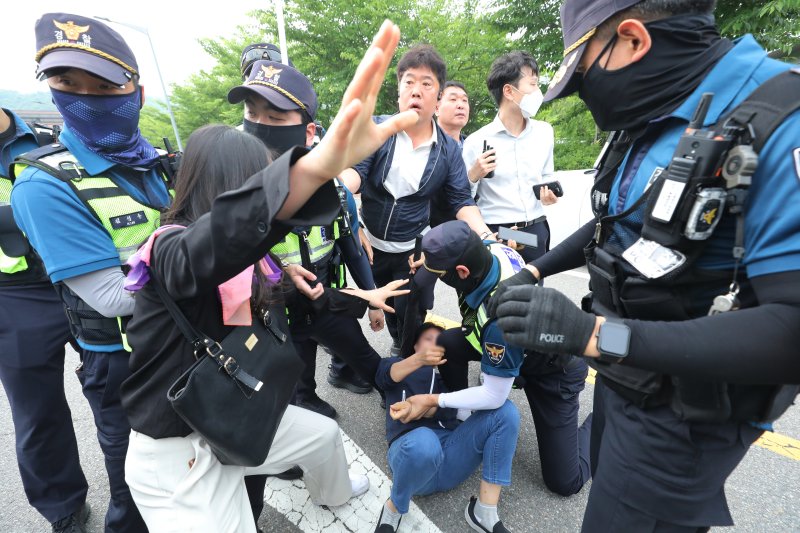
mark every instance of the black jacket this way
{"type": "Point", "coordinates": [192, 263]}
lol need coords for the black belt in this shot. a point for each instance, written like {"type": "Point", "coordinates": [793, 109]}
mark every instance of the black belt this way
{"type": "Point", "coordinates": [521, 225]}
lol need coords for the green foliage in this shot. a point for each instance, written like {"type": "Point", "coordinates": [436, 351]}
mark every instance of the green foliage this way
{"type": "Point", "coordinates": [203, 99]}
{"type": "Point", "coordinates": [774, 23]}
{"type": "Point", "coordinates": [327, 39]}
{"type": "Point", "coordinates": [577, 140]}
{"type": "Point", "coordinates": [154, 124]}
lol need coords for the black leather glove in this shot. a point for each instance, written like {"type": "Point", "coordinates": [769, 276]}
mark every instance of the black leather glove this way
{"type": "Point", "coordinates": [523, 277]}
{"type": "Point", "coordinates": [544, 320]}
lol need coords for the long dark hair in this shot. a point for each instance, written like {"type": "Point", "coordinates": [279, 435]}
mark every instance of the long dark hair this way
{"type": "Point", "coordinates": [217, 159]}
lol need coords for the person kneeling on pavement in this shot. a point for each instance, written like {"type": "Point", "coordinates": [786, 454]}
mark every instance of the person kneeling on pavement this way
{"type": "Point", "coordinates": [430, 449]}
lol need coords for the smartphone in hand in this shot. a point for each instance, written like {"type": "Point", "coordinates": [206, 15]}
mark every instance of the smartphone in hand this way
{"type": "Point", "coordinates": [486, 148]}
{"type": "Point", "coordinates": [508, 234]}
{"type": "Point", "coordinates": [553, 186]}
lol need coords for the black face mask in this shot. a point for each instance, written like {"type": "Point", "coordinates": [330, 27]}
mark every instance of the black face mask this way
{"type": "Point", "coordinates": [463, 286]}
{"type": "Point", "coordinates": [684, 48]}
{"type": "Point", "coordinates": [279, 139]}
{"type": "Point", "coordinates": [479, 260]}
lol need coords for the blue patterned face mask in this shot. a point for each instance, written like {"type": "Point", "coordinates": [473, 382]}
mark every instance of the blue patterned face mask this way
{"type": "Point", "coordinates": [108, 125]}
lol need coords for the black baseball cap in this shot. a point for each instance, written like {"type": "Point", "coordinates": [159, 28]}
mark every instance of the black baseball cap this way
{"type": "Point", "coordinates": [445, 247]}
{"type": "Point", "coordinates": [72, 41]}
{"type": "Point", "coordinates": [283, 86]}
{"type": "Point", "coordinates": [579, 22]}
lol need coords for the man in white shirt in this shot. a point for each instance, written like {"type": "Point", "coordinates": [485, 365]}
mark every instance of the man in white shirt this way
{"type": "Point", "coordinates": [521, 155]}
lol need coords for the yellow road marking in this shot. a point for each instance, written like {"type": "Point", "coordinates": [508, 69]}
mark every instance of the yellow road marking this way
{"type": "Point", "coordinates": [774, 442]}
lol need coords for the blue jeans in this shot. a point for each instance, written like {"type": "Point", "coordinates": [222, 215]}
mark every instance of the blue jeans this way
{"type": "Point", "coordinates": [424, 461]}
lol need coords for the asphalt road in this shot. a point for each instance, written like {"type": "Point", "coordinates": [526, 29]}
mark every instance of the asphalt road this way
{"type": "Point", "coordinates": [763, 492]}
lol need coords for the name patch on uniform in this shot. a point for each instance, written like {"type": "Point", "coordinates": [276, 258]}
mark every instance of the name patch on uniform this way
{"type": "Point", "coordinates": [496, 352]}
{"type": "Point", "coordinates": [126, 221]}
{"type": "Point", "coordinates": [323, 234]}
{"type": "Point", "coordinates": [796, 155]}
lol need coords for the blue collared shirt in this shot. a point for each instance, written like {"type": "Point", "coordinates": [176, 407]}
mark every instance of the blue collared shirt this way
{"type": "Point", "coordinates": [23, 141]}
{"type": "Point", "coordinates": [498, 357]}
{"type": "Point", "coordinates": [67, 236]}
{"type": "Point", "coordinates": [772, 218]}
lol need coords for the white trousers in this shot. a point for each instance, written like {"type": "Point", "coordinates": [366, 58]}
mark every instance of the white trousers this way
{"type": "Point", "coordinates": [179, 485]}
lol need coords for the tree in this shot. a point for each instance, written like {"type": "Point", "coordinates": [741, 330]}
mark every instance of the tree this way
{"type": "Point", "coordinates": [774, 23]}
{"type": "Point", "coordinates": [154, 124]}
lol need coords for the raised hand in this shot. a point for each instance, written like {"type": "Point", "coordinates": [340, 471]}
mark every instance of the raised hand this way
{"type": "Point", "coordinates": [353, 135]}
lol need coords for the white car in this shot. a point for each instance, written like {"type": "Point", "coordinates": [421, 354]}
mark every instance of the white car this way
{"type": "Point", "coordinates": [572, 210]}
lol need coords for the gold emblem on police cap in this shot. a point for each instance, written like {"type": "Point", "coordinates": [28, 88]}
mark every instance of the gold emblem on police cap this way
{"type": "Point", "coordinates": [72, 31]}
{"type": "Point", "coordinates": [562, 70]}
{"type": "Point", "coordinates": [270, 71]}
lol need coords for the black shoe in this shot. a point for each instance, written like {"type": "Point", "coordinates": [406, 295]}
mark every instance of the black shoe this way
{"type": "Point", "coordinates": [318, 405]}
{"type": "Point", "coordinates": [386, 528]}
{"type": "Point", "coordinates": [472, 520]}
{"type": "Point", "coordinates": [350, 381]}
{"type": "Point", "coordinates": [293, 473]}
{"type": "Point", "coordinates": [394, 351]}
{"type": "Point", "coordinates": [74, 523]}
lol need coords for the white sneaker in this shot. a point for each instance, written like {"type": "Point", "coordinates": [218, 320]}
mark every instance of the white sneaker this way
{"type": "Point", "coordinates": [359, 484]}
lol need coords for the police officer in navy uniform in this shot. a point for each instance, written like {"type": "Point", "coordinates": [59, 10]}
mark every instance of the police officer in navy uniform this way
{"type": "Point", "coordinates": [280, 107]}
{"type": "Point", "coordinates": [456, 255]}
{"type": "Point", "coordinates": [33, 333]}
{"type": "Point", "coordinates": [694, 256]}
{"type": "Point", "coordinates": [86, 204]}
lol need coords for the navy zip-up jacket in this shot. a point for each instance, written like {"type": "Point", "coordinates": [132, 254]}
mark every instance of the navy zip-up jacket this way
{"type": "Point", "coordinates": [402, 219]}
{"type": "Point", "coordinates": [418, 382]}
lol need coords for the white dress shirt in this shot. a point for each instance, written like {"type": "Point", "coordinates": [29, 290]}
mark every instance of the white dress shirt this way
{"type": "Point", "coordinates": [403, 179]}
{"type": "Point", "coordinates": [522, 162]}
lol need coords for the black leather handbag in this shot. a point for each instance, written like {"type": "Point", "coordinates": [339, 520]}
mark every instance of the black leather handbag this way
{"type": "Point", "coordinates": [236, 392]}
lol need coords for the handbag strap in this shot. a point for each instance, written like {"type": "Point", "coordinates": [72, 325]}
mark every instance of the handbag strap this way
{"type": "Point", "coordinates": [195, 338]}
{"type": "Point", "coordinates": [201, 341]}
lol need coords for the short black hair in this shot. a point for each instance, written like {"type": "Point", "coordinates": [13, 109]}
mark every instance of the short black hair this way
{"type": "Point", "coordinates": [425, 326]}
{"type": "Point", "coordinates": [453, 83]}
{"type": "Point", "coordinates": [423, 55]}
{"type": "Point", "coordinates": [649, 10]}
{"type": "Point", "coordinates": [507, 69]}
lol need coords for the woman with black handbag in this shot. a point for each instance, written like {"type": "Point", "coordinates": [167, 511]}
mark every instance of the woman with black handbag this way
{"type": "Point", "coordinates": [185, 475]}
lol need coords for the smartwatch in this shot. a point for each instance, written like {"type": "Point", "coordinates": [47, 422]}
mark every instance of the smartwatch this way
{"type": "Point", "coordinates": [613, 341]}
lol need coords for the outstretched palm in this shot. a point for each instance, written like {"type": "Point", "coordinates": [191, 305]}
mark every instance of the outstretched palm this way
{"type": "Point", "coordinates": [353, 135]}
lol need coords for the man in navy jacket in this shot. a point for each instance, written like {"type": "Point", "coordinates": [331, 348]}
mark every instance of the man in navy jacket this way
{"type": "Point", "coordinates": [399, 180]}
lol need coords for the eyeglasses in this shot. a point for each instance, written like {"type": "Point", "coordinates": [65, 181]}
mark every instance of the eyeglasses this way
{"type": "Point", "coordinates": [258, 54]}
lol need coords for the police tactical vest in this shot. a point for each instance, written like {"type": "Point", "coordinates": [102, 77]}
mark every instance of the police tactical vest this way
{"type": "Point", "coordinates": [621, 290]}
{"type": "Point", "coordinates": [315, 250]}
{"type": "Point", "coordinates": [475, 320]}
{"type": "Point", "coordinates": [19, 263]}
{"type": "Point", "coordinates": [128, 222]}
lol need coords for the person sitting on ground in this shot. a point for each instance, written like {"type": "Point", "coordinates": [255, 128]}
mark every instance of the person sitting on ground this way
{"type": "Point", "coordinates": [455, 255]}
{"type": "Point", "coordinates": [430, 450]}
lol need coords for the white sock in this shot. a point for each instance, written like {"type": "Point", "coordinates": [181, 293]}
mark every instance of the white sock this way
{"type": "Point", "coordinates": [486, 514]}
{"type": "Point", "coordinates": [390, 517]}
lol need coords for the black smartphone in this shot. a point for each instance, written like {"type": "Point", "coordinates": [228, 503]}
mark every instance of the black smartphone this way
{"type": "Point", "coordinates": [508, 234]}
{"type": "Point", "coordinates": [486, 148]}
{"type": "Point", "coordinates": [553, 186]}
